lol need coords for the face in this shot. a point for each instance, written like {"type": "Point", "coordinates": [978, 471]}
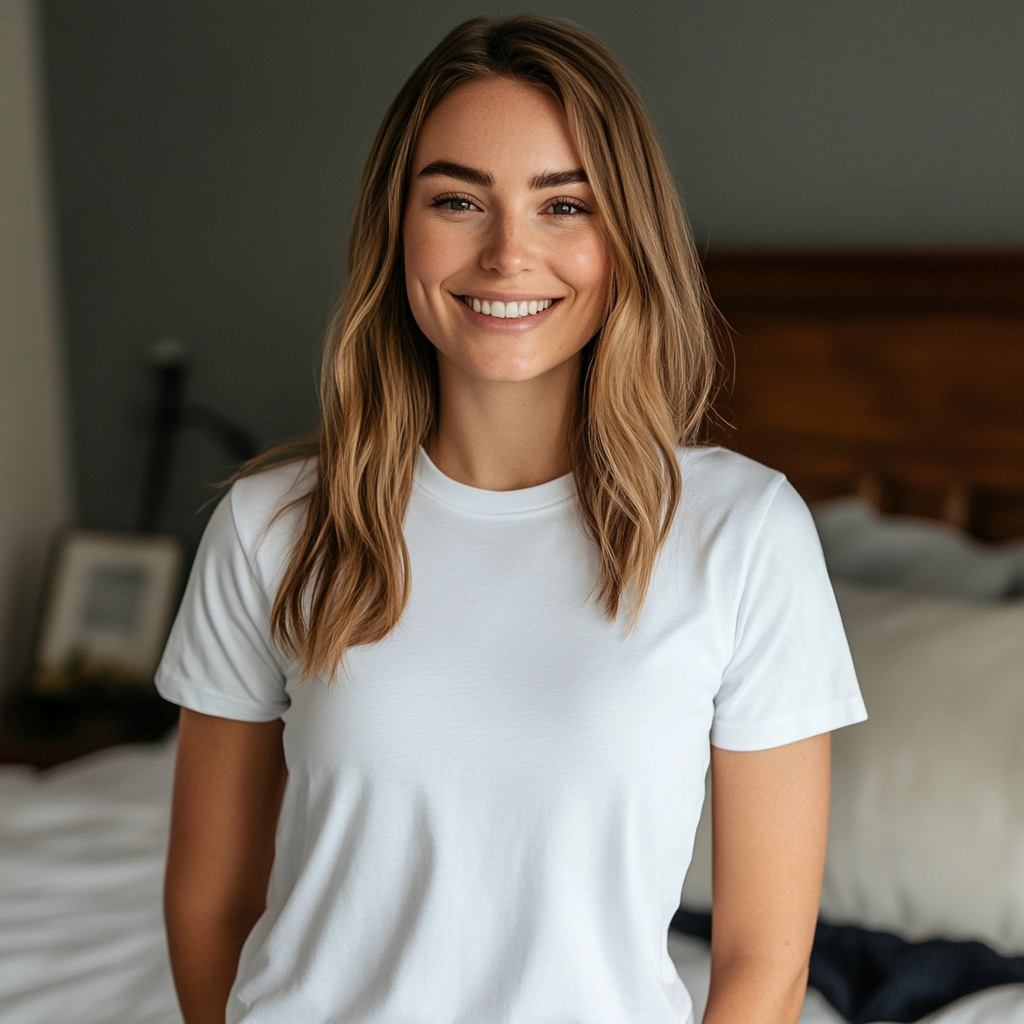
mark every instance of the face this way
{"type": "Point", "coordinates": [505, 256]}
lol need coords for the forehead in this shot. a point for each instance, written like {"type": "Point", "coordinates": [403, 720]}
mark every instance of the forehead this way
{"type": "Point", "coordinates": [499, 126]}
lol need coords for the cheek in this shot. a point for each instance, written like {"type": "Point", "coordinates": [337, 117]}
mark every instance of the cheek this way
{"type": "Point", "coordinates": [586, 267]}
{"type": "Point", "coordinates": [429, 260]}
{"type": "Point", "coordinates": [417, 245]}
{"type": "Point", "coordinates": [430, 254]}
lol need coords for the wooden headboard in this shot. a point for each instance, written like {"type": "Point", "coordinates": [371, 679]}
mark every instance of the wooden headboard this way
{"type": "Point", "coordinates": [898, 375]}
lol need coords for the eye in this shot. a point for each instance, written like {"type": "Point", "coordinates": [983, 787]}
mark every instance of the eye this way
{"type": "Point", "coordinates": [454, 203]}
{"type": "Point", "coordinates": [567, 208]}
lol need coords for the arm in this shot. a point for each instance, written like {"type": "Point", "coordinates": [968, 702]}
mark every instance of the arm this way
{"type": "Point", "coordinates": [770, 827]}
{"type": "Point", "coordinates": [228, 784]}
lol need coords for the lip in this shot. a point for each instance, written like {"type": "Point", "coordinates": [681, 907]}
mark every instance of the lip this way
{"type": "Point", "coordinates": [498, 325]}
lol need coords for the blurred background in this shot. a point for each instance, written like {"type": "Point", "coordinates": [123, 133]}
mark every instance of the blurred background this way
{"type": "Point", "coordinates": [187, 169]}
{"type": "Point", "coordinates": [176, 183]}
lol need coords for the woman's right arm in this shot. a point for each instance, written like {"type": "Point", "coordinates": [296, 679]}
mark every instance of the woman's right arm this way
{"type": "Point", "coordinates": [228, 784]}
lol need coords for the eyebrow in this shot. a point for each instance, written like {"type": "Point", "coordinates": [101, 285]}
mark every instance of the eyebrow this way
{"type": "Point", "coordinates": [555, 178]}
{"type": "Point", "coordinates": [448, 169]}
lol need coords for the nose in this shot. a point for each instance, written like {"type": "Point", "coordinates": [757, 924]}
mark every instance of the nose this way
{"type": "Point", "coordinates": [507, 249]}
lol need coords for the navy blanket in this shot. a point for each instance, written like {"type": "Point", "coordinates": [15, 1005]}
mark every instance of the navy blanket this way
{"type": "Point", "coordinates": [872, 976]}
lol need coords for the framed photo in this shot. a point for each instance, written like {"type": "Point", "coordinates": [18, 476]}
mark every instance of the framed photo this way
{"type": "Point", "coordinates": [108, 611]}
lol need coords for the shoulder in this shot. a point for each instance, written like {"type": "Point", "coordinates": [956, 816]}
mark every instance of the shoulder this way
{"type": "Point", "coordinates": [257, 500]}
{"type": "Point", "coordinates": [733, 507]}
{"type": "Point", "coordinates": [719, 484]}
{"type": "Point", "coordinates": [263, 514]}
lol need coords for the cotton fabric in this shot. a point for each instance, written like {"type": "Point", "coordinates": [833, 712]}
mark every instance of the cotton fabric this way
{"type": "Point", "coordinates": [489, 813]}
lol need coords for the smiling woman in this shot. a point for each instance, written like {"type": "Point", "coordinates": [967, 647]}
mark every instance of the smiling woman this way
{"type": "Point", "coordinates": [473, 649]}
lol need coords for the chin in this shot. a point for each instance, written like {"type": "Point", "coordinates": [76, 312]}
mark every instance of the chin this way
{"type": "Point", "coordinates": [501, 364]}
{"type": "Point", "coordinates": [502, 372]}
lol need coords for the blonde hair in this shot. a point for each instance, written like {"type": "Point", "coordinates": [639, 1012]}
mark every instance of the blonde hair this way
{"type": "Point", "coordinates": [645, 382]}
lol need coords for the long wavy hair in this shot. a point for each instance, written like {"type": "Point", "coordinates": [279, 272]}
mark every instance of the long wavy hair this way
{"type": "Point", "coordinates": [645, 383]}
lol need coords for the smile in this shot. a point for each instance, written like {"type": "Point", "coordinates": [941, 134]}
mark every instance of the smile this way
{"type": "Point", "coordinates": [507, 310]}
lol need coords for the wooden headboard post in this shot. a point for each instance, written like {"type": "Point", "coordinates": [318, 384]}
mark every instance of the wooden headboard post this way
{"type": "Point", "coordinates": [896, 375]}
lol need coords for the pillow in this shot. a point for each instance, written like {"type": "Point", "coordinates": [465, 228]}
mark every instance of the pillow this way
{"type": "Point", "coordinates": [922, 554]}
{"type": "Point", "coordinates": [927, 830]}
{"type": "Point", "coordinates": [926, 837]}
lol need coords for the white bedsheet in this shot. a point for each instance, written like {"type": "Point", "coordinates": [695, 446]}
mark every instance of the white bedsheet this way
{"type": "Point", "coordinates": [81, 867]}
{"type": "Point", "coordinates": [81, 933]}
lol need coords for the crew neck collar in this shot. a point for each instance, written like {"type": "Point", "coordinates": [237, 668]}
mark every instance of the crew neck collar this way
{"type": "Point", "coordinates": [476, 499]}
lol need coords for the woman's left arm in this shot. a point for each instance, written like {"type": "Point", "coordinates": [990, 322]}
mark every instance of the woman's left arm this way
{"type": "Point", "coordinates": [770, 828]}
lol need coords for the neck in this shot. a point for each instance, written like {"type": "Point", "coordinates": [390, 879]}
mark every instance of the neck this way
{"type": "Point", "coordinates": [502, 436]}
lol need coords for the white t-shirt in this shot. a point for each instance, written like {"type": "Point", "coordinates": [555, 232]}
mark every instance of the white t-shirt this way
{"type": "Point", "coordinates": [489, 814]}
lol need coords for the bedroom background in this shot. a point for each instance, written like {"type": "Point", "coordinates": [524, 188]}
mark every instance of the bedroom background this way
{"type": "Point", "coordinates": [184, 170]}
{"type": "Point", "coordinates": [187, 169]}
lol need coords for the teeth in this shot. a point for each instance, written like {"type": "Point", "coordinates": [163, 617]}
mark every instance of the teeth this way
{"type": "Point", "coordinates": [507, 310]}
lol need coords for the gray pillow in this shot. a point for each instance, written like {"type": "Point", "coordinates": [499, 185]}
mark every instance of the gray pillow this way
{"type": "Point", "coordinates": [863, 546]}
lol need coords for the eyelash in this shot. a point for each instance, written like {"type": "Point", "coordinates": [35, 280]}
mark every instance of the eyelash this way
{"type": "Point", "coordinates": [455, 197]}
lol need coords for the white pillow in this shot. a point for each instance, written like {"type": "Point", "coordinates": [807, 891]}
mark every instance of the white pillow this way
{"type": "Point", "coordinates": [927, 830]}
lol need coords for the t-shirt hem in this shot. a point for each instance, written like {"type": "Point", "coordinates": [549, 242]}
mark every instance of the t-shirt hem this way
{"type": "Point", "coordinates": [779, 731]}
{"type": "Point", "coordinates": [193, 698]}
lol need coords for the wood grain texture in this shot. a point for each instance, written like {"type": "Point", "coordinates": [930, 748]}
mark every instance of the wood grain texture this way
{"type": "Point", "coordinates": [899, 375]}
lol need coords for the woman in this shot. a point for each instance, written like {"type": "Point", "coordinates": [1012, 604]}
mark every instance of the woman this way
{"type": "Point", "coordinates": [470, 662]}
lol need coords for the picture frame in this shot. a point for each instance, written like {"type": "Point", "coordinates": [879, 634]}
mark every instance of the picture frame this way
{"type": "Point", "coordinates": [107, 613]}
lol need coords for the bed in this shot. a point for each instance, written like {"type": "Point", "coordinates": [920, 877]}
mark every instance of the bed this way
{"type": "Point", "coordinates": [890, 389]}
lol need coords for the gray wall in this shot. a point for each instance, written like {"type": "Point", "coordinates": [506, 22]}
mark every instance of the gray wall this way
{"type": "Point", "coordinates": [206, 154]}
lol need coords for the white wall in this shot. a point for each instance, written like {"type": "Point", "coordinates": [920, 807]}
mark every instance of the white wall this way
{"type": "Point", "coordinates": [35, 479]}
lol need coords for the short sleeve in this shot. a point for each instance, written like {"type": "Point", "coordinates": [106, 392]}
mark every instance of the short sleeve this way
{"type": "Point", "coordinates": [219, 658]}
{"type": "Point", "coordinates": [790, 675]}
